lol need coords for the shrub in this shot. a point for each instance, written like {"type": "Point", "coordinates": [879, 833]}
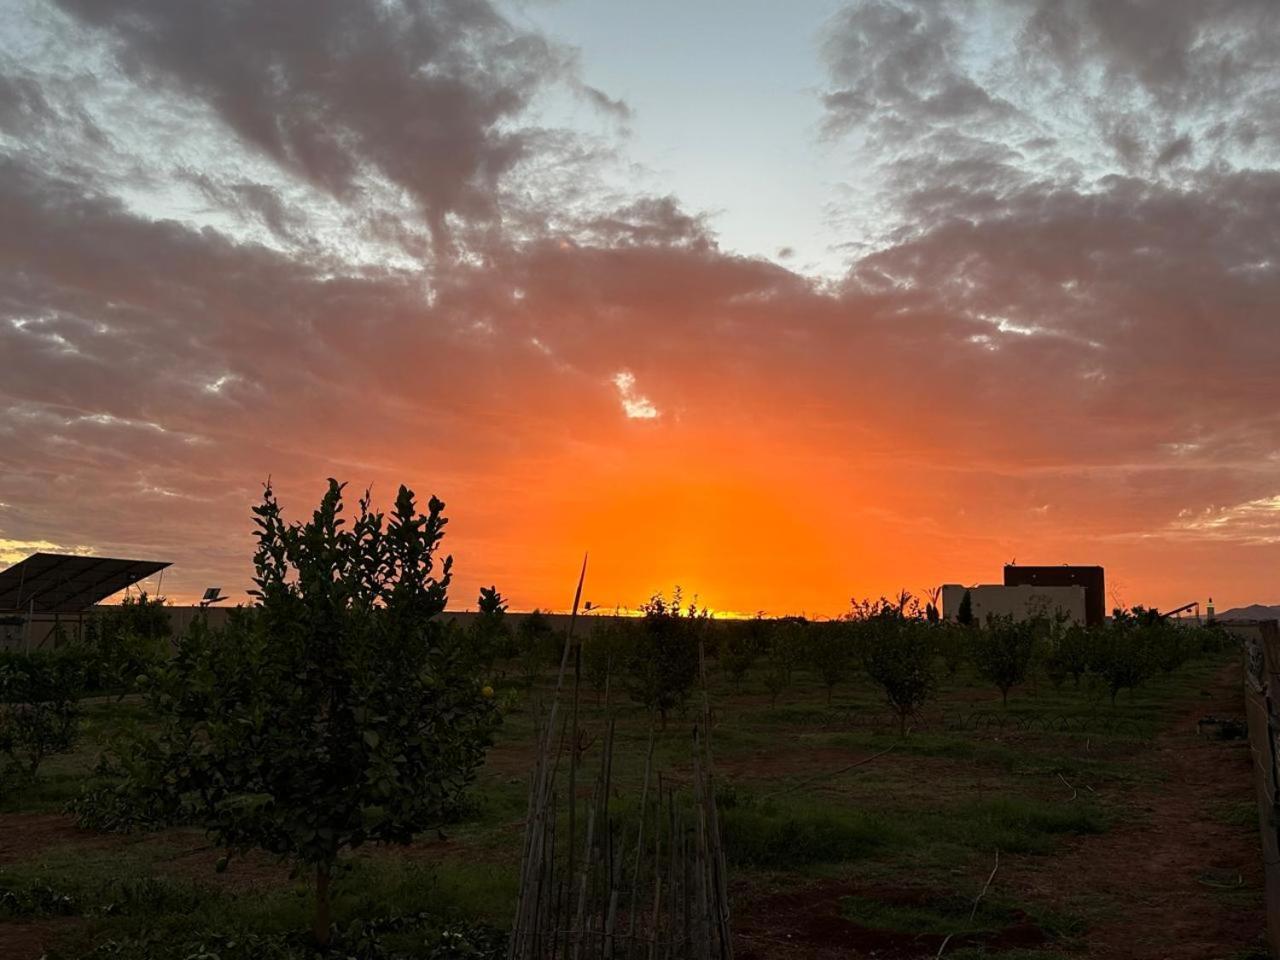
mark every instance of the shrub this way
{"type": "Point", "coordinates": [1122, 656]}
{"type": "Point", "coordinates": [741, 646]}
{"type": "Point", "coordinates": [662, 661]}
{"type": "Point", "coordinates": [950, 643]}
{"type": "Point", "coordinates": [538, 643]}
{"type": "Point", "coordinates": [36, 900]}
{"type": "Point", "coordinates": [121, 643]}
{"type": "Point", "coordinates": [336, 713]}
{"type": "Point", "coordinates": [783, 645]}
{"type": "Point", "coordinates": [604, 652]}
{"type": "Point", "coordinates": [490, 633]}
{"type": "Point", "coordinates": [39, 709]}
{"type": "Point", "coordinates": [1071, 655]}
{"type": "Point", "coordinates": [1003, 650]}
{"type": "Point", "coordinates": [898, 657]}
{"type": "Point", "coordinates": [829, 653]}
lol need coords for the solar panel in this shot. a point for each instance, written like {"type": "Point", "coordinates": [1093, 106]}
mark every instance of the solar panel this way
{"type": "Point", "coordinates": [63, 583]}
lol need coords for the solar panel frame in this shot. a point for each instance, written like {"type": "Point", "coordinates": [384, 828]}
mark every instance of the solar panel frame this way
{"type": "Point", "coordinates": [68, 583]}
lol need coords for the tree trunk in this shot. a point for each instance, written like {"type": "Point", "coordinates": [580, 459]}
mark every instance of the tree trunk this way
{"type": "Point", "coordinates": [321, 923]}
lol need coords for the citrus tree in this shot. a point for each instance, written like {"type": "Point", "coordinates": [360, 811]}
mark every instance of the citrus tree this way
{"type": "Point", "coordinates": [121, 642]}
{"type": "Point", "coordinates": [662, 656]}
{"type": "Point", "coordinates": [1003, 650]}
{"type": "Point", "coordinates": [741, 646]}
{"type": "Point", "coordinates": [897, 654]}
{"type": "Point", "coordinates": [39, 710]}
{"type": "Point", "coordinates": [336, 712]}
{"type": "Point", "coordinates": [490, 632]}
{"type": "Point", "coordinates": [829, 652]}
{"type": "Point", "coordinates": [538, 643]}
{"type": "Point", "coordinates": [783, 644]}
{"type": "Point", "coordinates": [604, 652]}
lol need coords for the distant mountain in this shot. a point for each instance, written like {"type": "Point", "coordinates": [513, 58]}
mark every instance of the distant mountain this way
{"type": "Point", "coordinates": [1255, 611]}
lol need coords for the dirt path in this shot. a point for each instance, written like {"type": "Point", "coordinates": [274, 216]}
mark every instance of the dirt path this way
{"type": "Point", "coordinates": [1182, 883]}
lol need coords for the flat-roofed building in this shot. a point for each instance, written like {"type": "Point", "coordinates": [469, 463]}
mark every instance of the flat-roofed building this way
{"type": "Point", "coordinates": [1065, 575]}
{"type": "Point", "coordinates": [1021, 602]}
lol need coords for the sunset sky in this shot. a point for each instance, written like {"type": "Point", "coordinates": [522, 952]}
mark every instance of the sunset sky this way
{"type": "Point", "coordinates": [784, 303]}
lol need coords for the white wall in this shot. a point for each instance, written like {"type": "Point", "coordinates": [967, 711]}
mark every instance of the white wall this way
{"type": "Point", "coordinates": [1020, 602]}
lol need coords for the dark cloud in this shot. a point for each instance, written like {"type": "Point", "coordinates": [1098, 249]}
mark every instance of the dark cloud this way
{"type": "Point", "coordinates": [615, 107]}
{"type": "Point", "coordinates": [420, 93]}
{"type": "Point", "coordinates": [22, 105]}
{"type": "Point", "coordinates": [1177, 149]}
{"type": "Point", "coordinates": [252, 201]}
{"type": "Point", "coordinates": [893, 65]}
{"type": "Point", "coordinates": [1183, 53]}
{"type": "Point", "coordinates": [650, 220]}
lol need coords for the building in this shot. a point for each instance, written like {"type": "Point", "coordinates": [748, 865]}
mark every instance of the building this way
{"type": "Point", "coordinates": [1021, 601]}
{"type": "Point", "coordinates": [1091, 578]}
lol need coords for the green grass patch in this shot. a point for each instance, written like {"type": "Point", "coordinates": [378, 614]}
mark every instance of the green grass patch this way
{"type": "Point", "coordinates": [1243, 813]}
{"type": "Point", "coordinates": [1017, 824]}
{"type": "Point", "coordinates": [938, 914]}
{"type": "Point", "coordinates": [783, 832]}
{"type": "Point", "coordinates": [769, 834]}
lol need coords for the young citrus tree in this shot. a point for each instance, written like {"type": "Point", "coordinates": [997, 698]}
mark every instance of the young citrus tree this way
{"type": "Point", "coordinates": [538, 643]}
{"type": "Point", "coordinates": [604, 652]}
{"type": "Point", "coordinates": [39, 709]}
{"type": "Point", "coordinates": [829, 653]}
{"type": "Point", "coordinates": [1003, 650]}
{"type": "Point", "coordinates": [119, 643]}
{"type": "Point", "coordinates": [490, 633]}
{"type": "Point", "coordinates": [897, 653]}
{"type": "Point", "coordinates": [1125, 656]}
{"type": "Point", "coordinates": [783, 644]}
{"type": "Point", "coordinates": [741, 646]}
{"type": "Point", "coordinates": [338, 712]}
{"type": "Point", "coordinates": [662, 660]}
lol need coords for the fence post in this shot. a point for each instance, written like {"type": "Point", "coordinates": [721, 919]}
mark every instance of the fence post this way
{"type": "Point", "coordinates": [1262, 710]}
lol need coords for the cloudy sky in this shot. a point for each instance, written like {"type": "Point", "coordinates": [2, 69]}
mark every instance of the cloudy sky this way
{"type": "Point", "coordinates": [781, 302]}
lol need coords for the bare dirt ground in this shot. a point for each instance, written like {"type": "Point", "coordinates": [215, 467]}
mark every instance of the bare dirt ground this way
{"type": "Point", "coordinates": [24, 835]}
{"type": "Point", "coordinates": [1185, 885]}
{"type": "Point", "coordinates": [1174, 880]}
{"type": "Point", "coordinates": [31, 939]}
{"type": "Point", "coordinates": [807, 923]}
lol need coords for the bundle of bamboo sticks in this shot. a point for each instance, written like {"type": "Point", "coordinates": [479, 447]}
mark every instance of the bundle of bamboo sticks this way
{"type": "Point", "coordinates": [648, 884]}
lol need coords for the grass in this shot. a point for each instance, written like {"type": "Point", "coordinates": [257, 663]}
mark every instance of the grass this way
{"type": "Point", "coordinates": [132, 899]}
{"type": "Point", "coordinates": [796, 834]}
{"type": "Point", "coordinates": [926, 912]}
{"type": "Point", "coordinates": [1056, 765]}
{"type": "Point", "coordinates": [1241, 814]}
